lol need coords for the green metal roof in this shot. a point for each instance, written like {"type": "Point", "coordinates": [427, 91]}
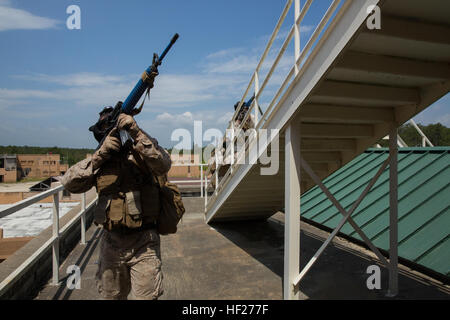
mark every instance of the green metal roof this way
{"type": "Point", "coordinates": [423, 206]}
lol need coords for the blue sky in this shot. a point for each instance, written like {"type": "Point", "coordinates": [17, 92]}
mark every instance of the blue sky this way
{"type": "Point", "coordinates": [54, 81]}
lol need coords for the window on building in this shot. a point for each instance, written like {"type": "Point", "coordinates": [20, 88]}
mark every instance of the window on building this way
{"type": "Point", "coordinates": [2, 163]}
{"type": "Point", "coordinates": [1, 179]}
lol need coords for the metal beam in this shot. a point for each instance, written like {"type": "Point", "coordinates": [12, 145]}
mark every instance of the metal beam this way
{"type": "Point", "coordinates": [328, 144]}
{"type": "Point", "coordinates": [310, 130]}
{"type": "Point", "coordinates": [393, 66]}
{"type": "Point", "coordinates": [336, 203]}
{"type": "Point", "coordinates": [349, 114]}
{"type": "Point", "coordinates": [322, 157]}
{"type": "Point", "coordinates": [343, 212]}
{"type": "Point", "coordinates": [366, 92]}
{"type": "Point", "coordinates": [393, 213]}
{"type": "Point", "coordinates": [412, 30]}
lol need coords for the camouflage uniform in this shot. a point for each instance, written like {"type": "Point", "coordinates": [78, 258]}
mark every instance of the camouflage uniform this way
{"type": "Point", "coordinates": [249, 123]}
{"type": "Point", "coordinates": [127, 262]}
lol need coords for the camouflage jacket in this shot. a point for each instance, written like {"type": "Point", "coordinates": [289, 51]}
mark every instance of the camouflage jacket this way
{"type": "Point", "coordinates": [82, 177]}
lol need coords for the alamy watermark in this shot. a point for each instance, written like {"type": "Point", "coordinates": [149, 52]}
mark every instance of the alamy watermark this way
{"type": "Point", "coordinates": [373, 22]}
{"type": "Point", "coordinates": [74, 279]}
{"type": "Point", "coordinates": [374, 280]}
{"type": "Point", "coordinates": [73, 22]}
{"type": "Point", "coordinates": [232, 147]}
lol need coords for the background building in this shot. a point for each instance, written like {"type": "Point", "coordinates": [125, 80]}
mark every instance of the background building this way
{"type": "Point", "coordinates": [183, 166]}
{"type": "Point", "coordinates": [41, 165]}
{"type": "Point", "coordinates": [16, 167]}
{"type": "Point", "coordinates": [8, 168]}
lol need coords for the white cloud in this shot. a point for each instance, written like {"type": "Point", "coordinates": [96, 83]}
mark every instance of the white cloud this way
{"type": "Point", "coordinates": [87, 89]}
{"type": "Point", "coordinates": [210, 118]}
{"type": "Point", "coordinates": [14, 94]}
{"type": "Point", "coordinates": [18, 19]}
{"type": "Point", "coordinates": [178, 119]}
{"type": "Point", "coordinates": [82, 79]}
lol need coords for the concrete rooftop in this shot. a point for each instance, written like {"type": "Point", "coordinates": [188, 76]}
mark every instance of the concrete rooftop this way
{"type": "Point", "coordinates": [244, 260]}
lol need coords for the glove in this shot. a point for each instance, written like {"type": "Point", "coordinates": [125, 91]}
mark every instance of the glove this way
{"type": "Point", "coordinates": [151, 79]}
{"type": "Point", "coordinates": [110, 146]}
{"type": "Point", "coordinates": [127, 122]}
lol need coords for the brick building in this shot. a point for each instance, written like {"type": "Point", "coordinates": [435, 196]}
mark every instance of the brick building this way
{"type": "Point", "coordinates": [41, 165]}
{"type": "Point", "coordinates": [8, 168]}
{"type": "Point", "coordinates": [180, 166]}
{"type": "Point", "coordinates": [16, 167]}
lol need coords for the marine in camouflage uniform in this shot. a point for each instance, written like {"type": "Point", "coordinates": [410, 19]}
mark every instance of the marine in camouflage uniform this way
{"type": "Point", "coordinates": [130, 255]}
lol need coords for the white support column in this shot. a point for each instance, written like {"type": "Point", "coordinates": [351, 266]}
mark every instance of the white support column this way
{"type": "Point", "coordinates": [55, 246]}
{"type": "Point", "coordinates": [393, 213]}
{"type": "Point", "coordinates": [296, 35]}
{"type": "Point", "coordinates": [83, 219]}
{"type": "Point", "coordinates": [292, 211]}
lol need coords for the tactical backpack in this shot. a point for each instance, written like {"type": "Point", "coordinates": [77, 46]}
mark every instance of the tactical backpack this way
{"type": "Point", "coordinates": [172, 207]}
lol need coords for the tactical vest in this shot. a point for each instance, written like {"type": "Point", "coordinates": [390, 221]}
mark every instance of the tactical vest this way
{"type": "Point", "coordinates": [128, 198]}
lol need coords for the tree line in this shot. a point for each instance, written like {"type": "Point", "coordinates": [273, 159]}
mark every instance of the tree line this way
{"type": "Point", "coordinates": [438, 134]}
{"type": "Point", "coordinates": [68, 155]}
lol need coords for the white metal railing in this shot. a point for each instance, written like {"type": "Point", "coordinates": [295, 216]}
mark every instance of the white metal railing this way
{"type": "Point", "coordinates": [425, 140]}
{"type": "Point", "coordinates": [402, 144]}
{"type": "Point", "coordinates": [53, 242]}
{"type": "Point", "coordinates": [203, 183]}
{"type": "Point", "coordinates": [302, 58]}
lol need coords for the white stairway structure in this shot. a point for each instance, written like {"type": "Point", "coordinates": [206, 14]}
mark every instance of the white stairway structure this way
{"type": "Point", "coordinates": [348, 87]}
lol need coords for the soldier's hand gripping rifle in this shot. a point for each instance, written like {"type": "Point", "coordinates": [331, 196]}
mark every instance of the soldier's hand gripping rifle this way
{"type": "Point", "coordinates": [144, 84]}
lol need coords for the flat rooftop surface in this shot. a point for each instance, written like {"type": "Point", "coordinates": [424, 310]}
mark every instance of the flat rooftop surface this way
{"type": "Point", "coordinates": [17, 187]}
{"type": "Point", "coordinates": [244, 260]}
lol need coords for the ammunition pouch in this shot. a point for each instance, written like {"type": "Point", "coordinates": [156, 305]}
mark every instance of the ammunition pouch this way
{"type": "Point", "coordinates": [126, 201]}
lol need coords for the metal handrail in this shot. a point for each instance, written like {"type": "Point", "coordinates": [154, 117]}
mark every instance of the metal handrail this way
{"type": "Point", "coordinates": [425, 139]}
{"type": "Point", "coordinates": [265, 53]}
{"type": "Point", "coordinates": [201, 165]}
{"type": "Point", "coordinates": [53, 241]}
{"type": "Point", "coordinates": [296, 71]}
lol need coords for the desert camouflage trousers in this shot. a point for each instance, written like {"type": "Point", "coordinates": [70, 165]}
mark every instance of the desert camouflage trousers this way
{"type": "Point", "coordinates": [130, 265]}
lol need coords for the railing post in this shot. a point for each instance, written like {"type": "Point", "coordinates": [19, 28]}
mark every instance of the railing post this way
{"type": "Point", "coordinates": [292, 211]}
{"type": "Point", "coordinates": [206, 191]}
{"type": "Point", "coordinates": [232, 147]}
{"type": "Point", "coordinates": [217, 168]}
{"type": "Point", "coordinates": [83, 219]}
{"type": "Point", "coordinates": [296, 35]}
{"type": "Point", "coordinates": [256, 99]}
{"type": "Point", "coordinates": [393, 214]}
{"type": "Point", "coordinates": [201, 180]}
{"type": "Point", "coordinates": [55, 246]}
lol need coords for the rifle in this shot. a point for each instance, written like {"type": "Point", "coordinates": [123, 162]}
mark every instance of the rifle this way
{"type": "Point", "coordinates": [140, 88]}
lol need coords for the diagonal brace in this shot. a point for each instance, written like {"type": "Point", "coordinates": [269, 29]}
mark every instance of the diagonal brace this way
{"type": "Point", "coordinates": [346, 217]}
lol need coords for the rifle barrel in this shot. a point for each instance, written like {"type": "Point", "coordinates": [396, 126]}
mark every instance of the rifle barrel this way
{"type": "Point", "coordinates": [140, 87]}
